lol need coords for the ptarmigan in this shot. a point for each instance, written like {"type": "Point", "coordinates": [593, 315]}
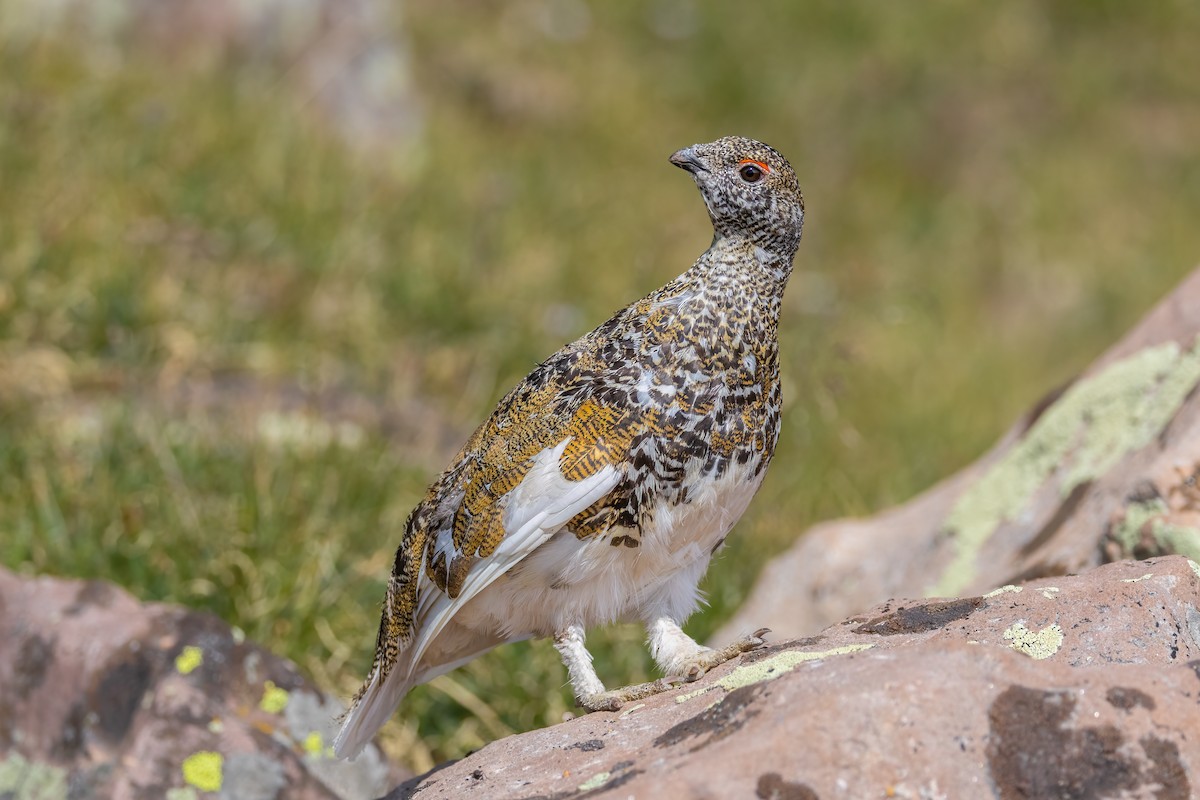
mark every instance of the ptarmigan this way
{"type": "Point", "coordinates": [600, 487]}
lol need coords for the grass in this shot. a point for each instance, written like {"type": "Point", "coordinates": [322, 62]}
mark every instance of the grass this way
{"type": "Point", "coordinates": [232, 353]}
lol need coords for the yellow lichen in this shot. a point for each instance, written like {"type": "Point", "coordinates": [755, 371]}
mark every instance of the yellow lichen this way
{"type": "Point", "coordinates": [204, 770]}
{"type": "Point", "coordinates": [1003, 589]}
{"type": "Point", "coordinates": [190, 658]}
{"type": "Point", "coordinates": [769, 669]}
{"type": "Point", "coordinates": [1138, 580]}
{"type": "Point", "coordinates": [1035, 644]}
{"type": "Point", "coordinates": [274, 699]}
{"type": "Point", "coordinates": [595, 782]}
{"type": "Point", "coordinates": [313, 744]}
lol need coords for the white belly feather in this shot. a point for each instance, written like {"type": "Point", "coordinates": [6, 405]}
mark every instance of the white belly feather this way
{"type": "Point", "coordinates": [590, 582]}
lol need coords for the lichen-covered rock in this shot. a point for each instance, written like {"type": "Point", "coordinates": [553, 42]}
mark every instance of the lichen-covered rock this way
{"type": "Point", "coordinates": [1104, 469]}
{"type": "Point", "coordinates": [1072, 687]}
{"type": "Point", "coordinates": [110, 698]}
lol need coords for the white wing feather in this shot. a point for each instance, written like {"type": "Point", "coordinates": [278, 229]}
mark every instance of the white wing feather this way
{"type": "Point", "coordinates": [535, 510]}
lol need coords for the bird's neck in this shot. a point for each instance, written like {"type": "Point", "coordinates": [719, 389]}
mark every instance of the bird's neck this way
{"type": "Point", "coordinates": [779, 241]}
{"type": "Point", "coordinates": [747, 266]}
{"type": "Point", "coordinates": [738, 287]}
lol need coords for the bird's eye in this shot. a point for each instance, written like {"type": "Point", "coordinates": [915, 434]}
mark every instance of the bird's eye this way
{"type": "Point", "coordinates": [751, 172]}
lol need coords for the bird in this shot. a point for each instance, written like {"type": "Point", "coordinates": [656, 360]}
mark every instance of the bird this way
{"type": "Point", "coordinates": [602, 484]}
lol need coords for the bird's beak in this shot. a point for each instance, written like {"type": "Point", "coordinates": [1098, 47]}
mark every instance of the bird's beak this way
{"type": "Point", "coordinates": [687, 159]}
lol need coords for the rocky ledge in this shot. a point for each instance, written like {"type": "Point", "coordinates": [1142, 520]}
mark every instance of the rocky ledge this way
{"type": "Point", "coordinates": [1072, 687]}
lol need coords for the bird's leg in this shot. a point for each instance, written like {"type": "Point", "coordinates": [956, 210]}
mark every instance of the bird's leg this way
{"type": "Point", "coordinates": [589, 691]}
{"type": "Point", "coordinates": [678, 654]}
{"type": "Point", "coordinates": [569, 642]}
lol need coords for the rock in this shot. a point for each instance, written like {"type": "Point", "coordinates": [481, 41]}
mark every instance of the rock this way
{"type": "Point", "coordinates": [1103, 469]}
{"type": "Point", "coordinates": [1071, 687]}
{"type": "Point", "coordinates": [343, 58]}
{"type": "Point", "coordinates": [107, 697]}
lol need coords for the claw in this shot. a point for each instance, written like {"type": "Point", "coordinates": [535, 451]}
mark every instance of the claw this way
{"type": "Point", "coordinates": [755, 640]}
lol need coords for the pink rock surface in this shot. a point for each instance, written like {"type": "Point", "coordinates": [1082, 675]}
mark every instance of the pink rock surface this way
{"type": "Point", "coordinates": [109, 697]}
{"type": "Point", "coordinates": [1072, 687]}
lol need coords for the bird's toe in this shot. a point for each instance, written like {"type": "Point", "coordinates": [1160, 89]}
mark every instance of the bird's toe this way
{"type": "Point", "coordinates": [613, 699]}
{"type": "Point", "coordinates": [600, 701]}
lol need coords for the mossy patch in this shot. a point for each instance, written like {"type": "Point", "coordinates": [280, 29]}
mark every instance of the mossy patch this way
{"type": "Point", "coordinates": [204, 770]}
{"type": "Point", "coordinates": [595, 782]}
{"type": "Point", "coordinates": [21, 779]}
{"type": "Point", "coordinates": [274, 699]}
{"type": "Point", "coordinates": [313, 744]}
{"type": "Point", "coordinates": [1035, 644]}
{"type": "Point", "coordinates": [769, 669]}
{"type": "Point", "coordinates": [1180, 539]}
{"type": "Point", "coordinates": [189, 659]}
{"type": "Point", "coordinates": [1148, 517]}
{"type": "Point", "coordinates": [1092, 427]}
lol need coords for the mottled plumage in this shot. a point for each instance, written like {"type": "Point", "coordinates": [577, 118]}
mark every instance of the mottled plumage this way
{"type": "Point", "coordinates": [602, 484]}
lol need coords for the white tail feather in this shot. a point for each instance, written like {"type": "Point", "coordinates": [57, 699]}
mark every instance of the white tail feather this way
{"type": "Point", "coordinates": [374, 708]}
{"type": "Point", "coordinates": [378, 703]}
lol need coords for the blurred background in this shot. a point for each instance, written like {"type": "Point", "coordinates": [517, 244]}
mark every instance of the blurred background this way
{"type": "Point", "coordinates": [263, 267]}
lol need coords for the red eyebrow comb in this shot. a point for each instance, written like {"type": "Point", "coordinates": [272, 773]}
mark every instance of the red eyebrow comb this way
{"type": "Point", "coordinates": [758, 164]}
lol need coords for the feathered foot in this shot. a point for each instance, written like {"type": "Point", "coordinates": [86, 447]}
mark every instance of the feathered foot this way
{"type": "Point", "coordinates": [707, 659]}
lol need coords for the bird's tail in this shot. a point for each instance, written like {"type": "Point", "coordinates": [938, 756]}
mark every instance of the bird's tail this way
{"type": "Point", "coordinates": [373, 706]}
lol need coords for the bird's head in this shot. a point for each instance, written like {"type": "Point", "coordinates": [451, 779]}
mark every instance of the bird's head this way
{"type": "Point", "coordinates": [750, 190]}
